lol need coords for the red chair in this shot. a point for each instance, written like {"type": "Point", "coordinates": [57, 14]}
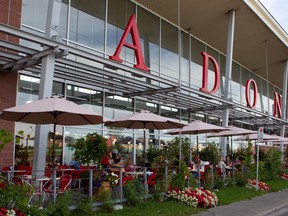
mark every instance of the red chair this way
{"type": "Point", "coordinates": [31, 191]}
{"type": "Point", "coordinates": [21, 170]}
{"type": "Point", "coordinates": [76, 178]}
{"type": "Point", "coordinates": [2, 182]}
{"type": "Point", "coordinates": [219, 171]}
{"type": "Point", "coordinates": [28, 170]}
{"type": "Point", "coordinates": [64, 185]}
{"type": "Point", "coordinates": [125, 179]}
{"type": "Point", "coordinates": [152, 179]}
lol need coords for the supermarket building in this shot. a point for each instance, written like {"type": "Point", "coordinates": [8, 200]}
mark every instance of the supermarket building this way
{"type": "Point", "coordinates": [223, 62]}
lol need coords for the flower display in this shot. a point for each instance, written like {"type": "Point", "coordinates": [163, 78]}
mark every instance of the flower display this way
{"type": "Point", "coordinates": [194, 197]}
{"type": "Point", "coordinates": [112, 178]}
{"type": "Point", "coordinates": [284, 176]}
{"type": "Point", "coordinates": [261, 185]}
{"type": "Point", "coordinates": [11, 212]}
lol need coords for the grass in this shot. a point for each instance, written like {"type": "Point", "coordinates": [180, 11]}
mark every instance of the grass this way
{"type": "Point", "coordinates": [226, 196]}
{"type": "Point", "coordinates": [232, 194]}
{"type": "Point", "coordinates": [151, 208]}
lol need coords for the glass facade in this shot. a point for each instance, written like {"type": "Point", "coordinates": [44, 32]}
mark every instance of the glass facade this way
{"type": "Point", "coordinates": [98, 25]}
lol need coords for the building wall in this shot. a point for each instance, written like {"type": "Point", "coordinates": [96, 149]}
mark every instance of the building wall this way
{"type": "Point", "coordinates": [10, 13]}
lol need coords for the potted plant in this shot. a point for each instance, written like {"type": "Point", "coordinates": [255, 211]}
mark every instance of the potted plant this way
{"type": "Point", "coordinates": [90, 149]}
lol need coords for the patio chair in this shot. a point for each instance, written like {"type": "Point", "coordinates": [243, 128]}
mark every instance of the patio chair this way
{"type": "Point", "coordinates": [16, 180]}
{"type": "Point", "coordinates": [25, 185]}
{"type": "Point", "coordinates": [2, 182]}
{"type": "Point", "coordinates": [64, 185]}
{"type": "Point", "coordinates": [152, 179]}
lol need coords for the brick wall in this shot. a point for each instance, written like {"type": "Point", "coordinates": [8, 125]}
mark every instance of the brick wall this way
{"type": "Point", "coordinates": [10, 14]}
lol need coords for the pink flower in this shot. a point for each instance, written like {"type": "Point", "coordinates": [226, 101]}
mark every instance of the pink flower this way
{"type": "Point", "coordinates": [194, 197]}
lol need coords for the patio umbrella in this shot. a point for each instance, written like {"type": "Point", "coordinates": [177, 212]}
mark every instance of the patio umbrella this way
{"type": "Point", "coordinates": [266, 137]}
{"type": "Point", "coordinates": [144, 120]}
{"type": "Point", "coordinates": [53, 110]}
{"type": "Point", "coordinates": [281, 140]}
{"type": "Point", "coordinates": [255, 137]}
{"type": "Point", "coordinates": [197, 127]}
{"type": "Point", "coordinates": [232, 131]}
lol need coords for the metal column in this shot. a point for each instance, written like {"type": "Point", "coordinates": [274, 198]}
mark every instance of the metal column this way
{"type": "Point", "coordinates": [228, 72]}
{"type": "Point", "coordinates": [45, 88]}
{"type": "Point", "coordinates": [284, 101]}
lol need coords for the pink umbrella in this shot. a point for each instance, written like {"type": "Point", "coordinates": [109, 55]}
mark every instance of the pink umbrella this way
{"type": "Point", "coordinates": [144, 120]}
{"type": "Point", "coordinates": [53, 110]}
{"type": "Point", "coordinates": [280, 140]}
{"type": "Point", "coordinates": [198, 127]}
{"type": "Point", "coordinates": [232, 131]}
{"type": "Point", "coordinates": [255, 137]}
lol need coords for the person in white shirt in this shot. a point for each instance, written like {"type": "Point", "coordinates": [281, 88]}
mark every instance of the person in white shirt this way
{"type": "Point", "coordinates": [223, 166]}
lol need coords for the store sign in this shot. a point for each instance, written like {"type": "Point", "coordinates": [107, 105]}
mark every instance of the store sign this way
{"type": "Point", "coordinates": [132, 29]}
{"type": "Point", "coordinates": [247, 93]}
{"type": "Point", "coordinates": [136, 46]}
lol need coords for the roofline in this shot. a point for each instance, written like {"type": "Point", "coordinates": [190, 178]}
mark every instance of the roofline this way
{"type": "Point", "coordinates": [268, 19]}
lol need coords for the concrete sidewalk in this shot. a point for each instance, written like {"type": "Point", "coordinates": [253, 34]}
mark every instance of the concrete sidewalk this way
{"type": "Point", "coordinates": [271, 204]}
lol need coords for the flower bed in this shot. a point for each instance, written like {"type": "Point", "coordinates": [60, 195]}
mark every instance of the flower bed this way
{"type": "Point", "coordinates": [12, 212]}
{"type": "Point", "coordinates": [194, 197]}
{"type": "Point", "coordinates": [284, 176]}
{"type": "Point", "coordinates": [261, 185]}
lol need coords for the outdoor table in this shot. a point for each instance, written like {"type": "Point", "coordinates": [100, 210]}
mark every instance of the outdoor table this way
{"type": "Point", "coordinates": [66, 170]}
{"type": "Point", "coordinates": [40, 179]}
{"type": "Point", "coordinates": [136, 174]}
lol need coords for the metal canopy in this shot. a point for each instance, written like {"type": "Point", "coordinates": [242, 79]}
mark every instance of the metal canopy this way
{"type": "Point", "coordinates": [97, 76]}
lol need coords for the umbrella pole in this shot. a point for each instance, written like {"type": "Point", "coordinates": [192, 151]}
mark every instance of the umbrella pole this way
{"type": "Point", "coordinates": [53, 163]}
{"type": "Point", "coordinates": [180, 147]}
{"type": "Point", "coordinates": [232, 159]}
{"type": "Point", "coordinates": [198, 162]}
{"type": "Point", "coordinates": [144, 148]}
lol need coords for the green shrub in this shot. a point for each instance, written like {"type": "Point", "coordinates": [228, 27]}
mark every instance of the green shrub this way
{"type": "Point", "coordinates": [134, 192]}
{"type": "Point", "coordinates": [219, 183]}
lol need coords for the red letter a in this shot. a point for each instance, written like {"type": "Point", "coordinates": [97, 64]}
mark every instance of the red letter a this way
{"type": "Point", "coordinates": [136, 46]}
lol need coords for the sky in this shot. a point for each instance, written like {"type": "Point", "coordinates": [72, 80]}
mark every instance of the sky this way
{"type": "Point", "coordinates": [279, 10]}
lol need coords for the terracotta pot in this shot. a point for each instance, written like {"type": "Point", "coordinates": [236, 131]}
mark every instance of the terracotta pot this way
{"type": "Point", "coordinates": [106, 186]}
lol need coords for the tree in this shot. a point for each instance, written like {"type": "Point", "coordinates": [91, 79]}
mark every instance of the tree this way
{"type": "Point", "coordinates": [90, 149]}
{"type": "Point", "coordinates": [5, 137]}
{"type": "Point", "coordinates": [210, 153]}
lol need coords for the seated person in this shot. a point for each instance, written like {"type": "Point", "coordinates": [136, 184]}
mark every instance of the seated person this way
{"type": "Point", "coordinates": [194, 169]}
{"type": "Point", "coordinates": [117, 166]}
{"type": "Point", "coordinates": [105, 162]}
{"type": "Point", "coordinates": [74, 163]}
{"type": "Point", "coordinates": [221, 164]}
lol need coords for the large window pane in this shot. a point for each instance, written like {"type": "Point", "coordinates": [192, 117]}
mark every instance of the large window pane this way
{"type": "Point", "coordinates": [235, 83]}
{"type": "Point", "coordinates": [169, 50]}
{"type": "Point", "coordinates": [34, 13]}
{"type": "Point", "coordinates": [87, 23]}
{"type": "Point", "coordinates": [149, 30]}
